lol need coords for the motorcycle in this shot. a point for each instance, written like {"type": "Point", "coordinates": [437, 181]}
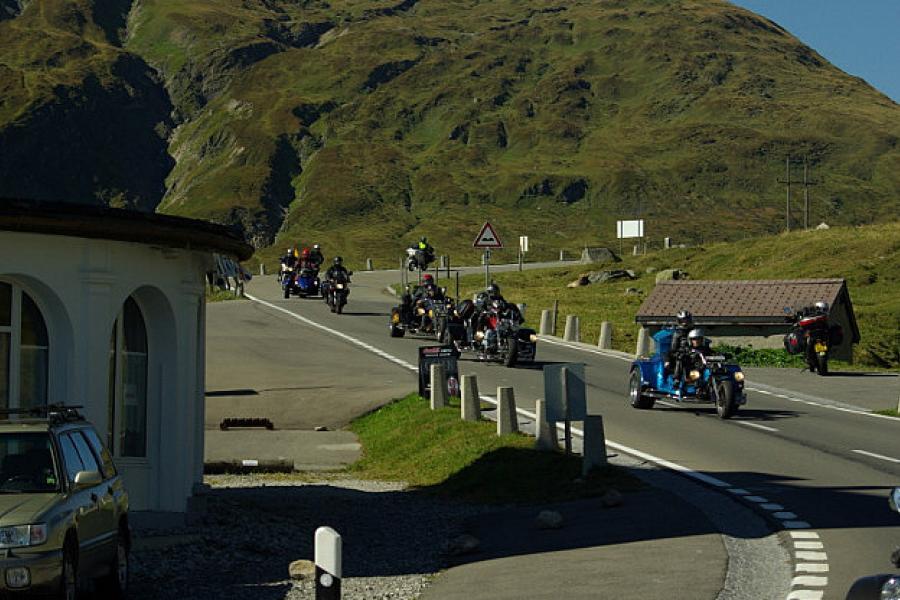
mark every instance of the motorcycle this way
{"type": "Point", "coordinates": [884, 586]}
{"type": "Point", "coordinates": [427, 315]}
{"type": "Point", "coordinates": [308, 283]}
{"type": "Point", "coordinates": [288, 282]}
{"type": "Point", "coordinates": [336, 290]}
{"type": "Point", "coordinates": [499, 335]}
{"type": "Point", "coordinates": [813, 337]}
{"type": "Point", "coordinates": [416, 258]}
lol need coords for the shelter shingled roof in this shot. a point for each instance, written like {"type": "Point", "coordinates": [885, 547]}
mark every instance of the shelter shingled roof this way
{"type": "Point", "coordinates": [760, 302]}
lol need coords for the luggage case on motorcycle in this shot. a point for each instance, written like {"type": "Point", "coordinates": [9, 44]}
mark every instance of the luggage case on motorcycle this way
{"type": "Point", "coordinates": [465, 309]}
{"type": "Point", "coordinates": [813, 320]}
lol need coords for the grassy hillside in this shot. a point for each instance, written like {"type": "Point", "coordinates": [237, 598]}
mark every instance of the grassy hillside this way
{"type": "Point", "coordinates": [363, 124]}
{"type": "Point", "coordinates": [867, 257]}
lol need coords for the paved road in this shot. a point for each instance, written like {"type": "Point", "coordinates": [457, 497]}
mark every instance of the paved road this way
{"type": "Point", "coordinates": [812, 463]}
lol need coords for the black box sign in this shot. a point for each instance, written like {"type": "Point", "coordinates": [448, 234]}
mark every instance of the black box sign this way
{"type": "Point", "coordinates": [438, 355]}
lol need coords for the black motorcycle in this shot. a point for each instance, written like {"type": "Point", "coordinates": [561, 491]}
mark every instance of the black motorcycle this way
{"type": "Point", "coordinates": [812, 337]}
{"type": "Point", "coordinates": [884, 586]}
{"type": "Point", "coordinates": [499, 335]}
{"type": "Point", "coordinates": [426, 315]}
{"type": "Point", "coordinates": [418, 259]}
{"type": "Point", "coordinates": [335, 291]}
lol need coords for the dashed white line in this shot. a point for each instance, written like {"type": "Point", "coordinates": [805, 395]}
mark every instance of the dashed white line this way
{"type": "Point", "coordinates": [880, 456]}
{"type": "Point", "coordinates": [804, 535]}
{"type": "Point", "coordinates": [806, 595]}
{"type": "Point", "coordinates": [772, 506]}
{"type": "Point", "coordinates": [757, 499]}
{"type": "Point", "coordinates": [756, 425]}
{"type": "Point", "coordinates": [799, 545]}
{"type": "Point", "coordinates": [811, 567]}
{"type": "Point", "coordinates": [738, 492]}
{"type": "Point", "coordinates": [796, 524]}
{"type": "Point", "coordinates": [810, 580]}
{"type": "Point", "coordinates": [810, 555]}
{"type": "Point", "coordinates": [784, 515]}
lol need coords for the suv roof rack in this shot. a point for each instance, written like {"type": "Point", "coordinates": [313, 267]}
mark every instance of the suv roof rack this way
{"type": "Point", "coordinates": [55, 413]}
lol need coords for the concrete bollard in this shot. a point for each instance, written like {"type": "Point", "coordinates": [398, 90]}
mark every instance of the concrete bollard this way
{"type": "Point", "coordinates": [369, 265]}
{"type": "Point", "coordinates": [329, 563]}
{"type": "Point", "coordinates": [262, 269]}
{"type": "Point", "coordinates": [443, 263]}
{"type": "Point", "coordinates": [546, 322]}
{"type": "Point", "coordinates": [562, 255]}
{"type": "Point", "coordinates": [643, 342]}
{"type": "Point", "coordinates": [594, 444]}
{"type": "Point", "coordinates": [605, 341]}
{"type": "Point", "coordinates": [544, 432]}
{"type": "Point", "coordinates": [636, 251]}
{"type": "Point", "coordinates": [470, 409]}
{"type": "Point", "coordinates": [572, 333]}
{"type": "Point", "coordinates": [667, 243]}
{"type": "Point", "coordinates": [438, 387]}
{"type": "Point", "coordinates": [507, 421]}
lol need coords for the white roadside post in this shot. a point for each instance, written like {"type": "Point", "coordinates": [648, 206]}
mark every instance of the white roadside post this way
{"type": "Point", "coordinates": [328, 564]}
{"type": "Point", "coordinates": [546, 322]}
{"type": "Point", "coordinates": [544, 431]}
{"type": "Point", "coordinates": [438, 387]}
{"type": "Point", "coordinates": [507, 420]}
{"type": "Point", "coordinates": [470, 409]}
{"type": "Point", "coordinates": [605, 341]}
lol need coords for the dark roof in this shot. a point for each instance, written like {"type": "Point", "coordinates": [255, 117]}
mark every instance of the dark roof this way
{"type": "Point", "coordinates": [100, 222]}
{"type": "Point", "coordinates": [741, 302]}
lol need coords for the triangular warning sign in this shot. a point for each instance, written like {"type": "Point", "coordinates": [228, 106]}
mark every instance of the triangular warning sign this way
{"type": "Point", "coordinates": [488, 238]}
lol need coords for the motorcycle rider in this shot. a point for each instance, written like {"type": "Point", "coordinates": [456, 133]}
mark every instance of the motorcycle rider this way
{"type": "Point", "coordinates": [697, 341]}
{"type": "Point", "coordinates": [684, 322]}
{"type": "Point", "coordinates": [336, 267]}
{"type": "Point", "coordinates": [288, 261]}
{"type": "Point", "coordinates": [316, 257]}
{"type": "Point", "coordinates": [426, 248]}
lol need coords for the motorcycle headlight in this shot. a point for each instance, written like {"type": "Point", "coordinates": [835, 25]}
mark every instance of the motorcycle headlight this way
{"type": "Point", "coordinates": [340, 286]}
{"type": "Point", "coordinates": [479, 335]}
{"type": "Point", "coordinates": [694, 375]}
{"type": "Point", "coordinates": [533, 338]}
{"type": "Point", "coordinates": [739, 376]}
{"type": "Point", "coordinates": [891, 589]}
{"type": "Point", "coordinates": [420, 311]}
{"type": "Point", "coordinates": [19, 536]}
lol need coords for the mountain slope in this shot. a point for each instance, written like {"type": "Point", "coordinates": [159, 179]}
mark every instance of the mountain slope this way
{"type": "Point", "coordinates": [356, 123]}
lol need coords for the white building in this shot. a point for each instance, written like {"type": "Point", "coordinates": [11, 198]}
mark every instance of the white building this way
{"type": "Point", "coordinates": [105, 308]}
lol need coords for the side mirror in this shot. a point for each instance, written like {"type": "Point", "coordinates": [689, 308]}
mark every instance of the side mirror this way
{"type": "Point", "coordinates": [87, 479]}
{"type": "Point", "coordinates": [894, 499]}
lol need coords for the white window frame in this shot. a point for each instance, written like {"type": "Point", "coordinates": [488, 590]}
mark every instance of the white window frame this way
{"type": "Point", "coordinates": [14, 329]}
{"type": "Point", "coordinates": [118, 400]}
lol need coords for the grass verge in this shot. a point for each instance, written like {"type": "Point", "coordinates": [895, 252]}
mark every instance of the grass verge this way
{"type": "Point", "coordinates": [218, 295]}
{"type": "Point", "coordinates": [889, 412]}
{"type": "Point", "coordinates": [436, 452]}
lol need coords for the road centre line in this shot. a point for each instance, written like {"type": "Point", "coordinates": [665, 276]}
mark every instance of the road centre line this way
{"type": "Point", "coordinates": [873, 455]}
{"type": "Point", "coordinates": [799, 594]}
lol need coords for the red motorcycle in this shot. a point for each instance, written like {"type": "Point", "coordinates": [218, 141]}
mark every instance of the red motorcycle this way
{"type": "Point", "coordinates": [812, 336]}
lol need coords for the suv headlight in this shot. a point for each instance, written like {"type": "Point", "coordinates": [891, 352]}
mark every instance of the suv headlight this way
{"type": "Point", "coordinates": [891, 589]}
{"type": "Point", "coordinates": [19, 536]}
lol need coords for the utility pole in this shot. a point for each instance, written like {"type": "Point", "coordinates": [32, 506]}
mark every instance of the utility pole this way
{"type": "Point", "coordinates": [806, 183]}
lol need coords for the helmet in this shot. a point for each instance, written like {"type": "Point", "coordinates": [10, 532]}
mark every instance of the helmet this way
{"type": "Point", "coordinates": [316, 247]}
{"type": "Point", "coordinates": [337, 260]}
{"type": "Point", "coordinates": [427, 278]}
{"type": "Point", "coordinates": [821, 305]}
{"type": "Point", "coordinates": [289, 251]}
{"type": "Point", "coordinates": [493, 289]}
{"type": "Point", "coordinates": [305, 253]}
{"type": "Point", "coordinates": [684, 317]}
{"type": "Point", "coordinates": [695, 334]}
{"type": "Point", "coordinates": [424, 240]}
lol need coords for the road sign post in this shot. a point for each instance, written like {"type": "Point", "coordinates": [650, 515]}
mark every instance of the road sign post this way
{"type": "Point", "coordinates": [487, 239]}
{"type": "Point", "coordinates": [328, 550]}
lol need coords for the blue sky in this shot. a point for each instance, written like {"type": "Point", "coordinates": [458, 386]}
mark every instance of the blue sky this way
{"type": "Point", "coordinates": [861, 37]}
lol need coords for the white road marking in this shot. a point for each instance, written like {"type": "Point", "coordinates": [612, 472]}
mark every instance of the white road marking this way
{"type": "Point", "coordinates": [758, 499]}
{"type": "Point", "coordinates": [804, 535]}
{"type": "Point", "coordinates": [738, 492]}
{"type": "Point", "coordinates": [784, 515]}
{"type": "Point", "coordinates": [756, 426]}
{"type": "Point", "coordinates": [812, 581]}
{"type": "Point", "coordinates": [808, 545]}
{"type": "Point", "coordinates": [811, 567]}
{"type": "Point", "coordinates": [772, 506]}
{"type": "Point", "coordinates": [873, 455]}
{"type": "Point", "coordinates": [810, 555]}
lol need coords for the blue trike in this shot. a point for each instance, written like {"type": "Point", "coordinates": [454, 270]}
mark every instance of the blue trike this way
{"type": "Point", "coordinates": [706, 378]}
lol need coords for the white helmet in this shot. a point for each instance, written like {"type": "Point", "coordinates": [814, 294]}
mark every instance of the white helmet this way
{"type": "Point", "coordinates": [695, 333]}
{"type": "Point", "coordinates": [822, 305]}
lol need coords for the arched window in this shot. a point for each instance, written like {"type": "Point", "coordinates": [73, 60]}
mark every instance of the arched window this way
{"type": "Point", "coordinates": [24, 350]}
{"type": "Point", "coordinates": [128, 383]}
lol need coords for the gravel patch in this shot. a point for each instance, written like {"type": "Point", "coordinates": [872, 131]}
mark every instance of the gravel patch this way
{"type": "Point", "coordinates": [256, 525]}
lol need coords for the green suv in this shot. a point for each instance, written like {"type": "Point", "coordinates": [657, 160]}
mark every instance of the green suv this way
{"type": "Point", "coordinates": [63, 507]}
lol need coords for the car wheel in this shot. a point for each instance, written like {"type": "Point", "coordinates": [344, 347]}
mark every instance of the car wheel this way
{"type": "Point", "coordinates": [512, 356]}
{"type": "Point", "coordinates": [725, 401]}
{"type": "Point", "coordinates": [68, 584]}
{"type": "Point", "coordinates": [635, 395]}
{"type": "Point", "coordinates": [287, 293]}
{"type": "Point", "coordinates": [396, 332]}
{"type": "Point", "coordinates": [115, 585]}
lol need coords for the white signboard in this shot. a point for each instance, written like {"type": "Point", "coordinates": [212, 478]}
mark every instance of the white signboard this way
{"type": "Point", "coordinates": [523, 243]}
{"type": "Point", "coordinates": [630, 229]}
{"type": "Point", "coordinates": [487, 238]}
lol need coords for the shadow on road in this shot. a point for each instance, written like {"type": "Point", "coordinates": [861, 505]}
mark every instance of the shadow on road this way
{"type": "Point", "coordinates": [221, 393]}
